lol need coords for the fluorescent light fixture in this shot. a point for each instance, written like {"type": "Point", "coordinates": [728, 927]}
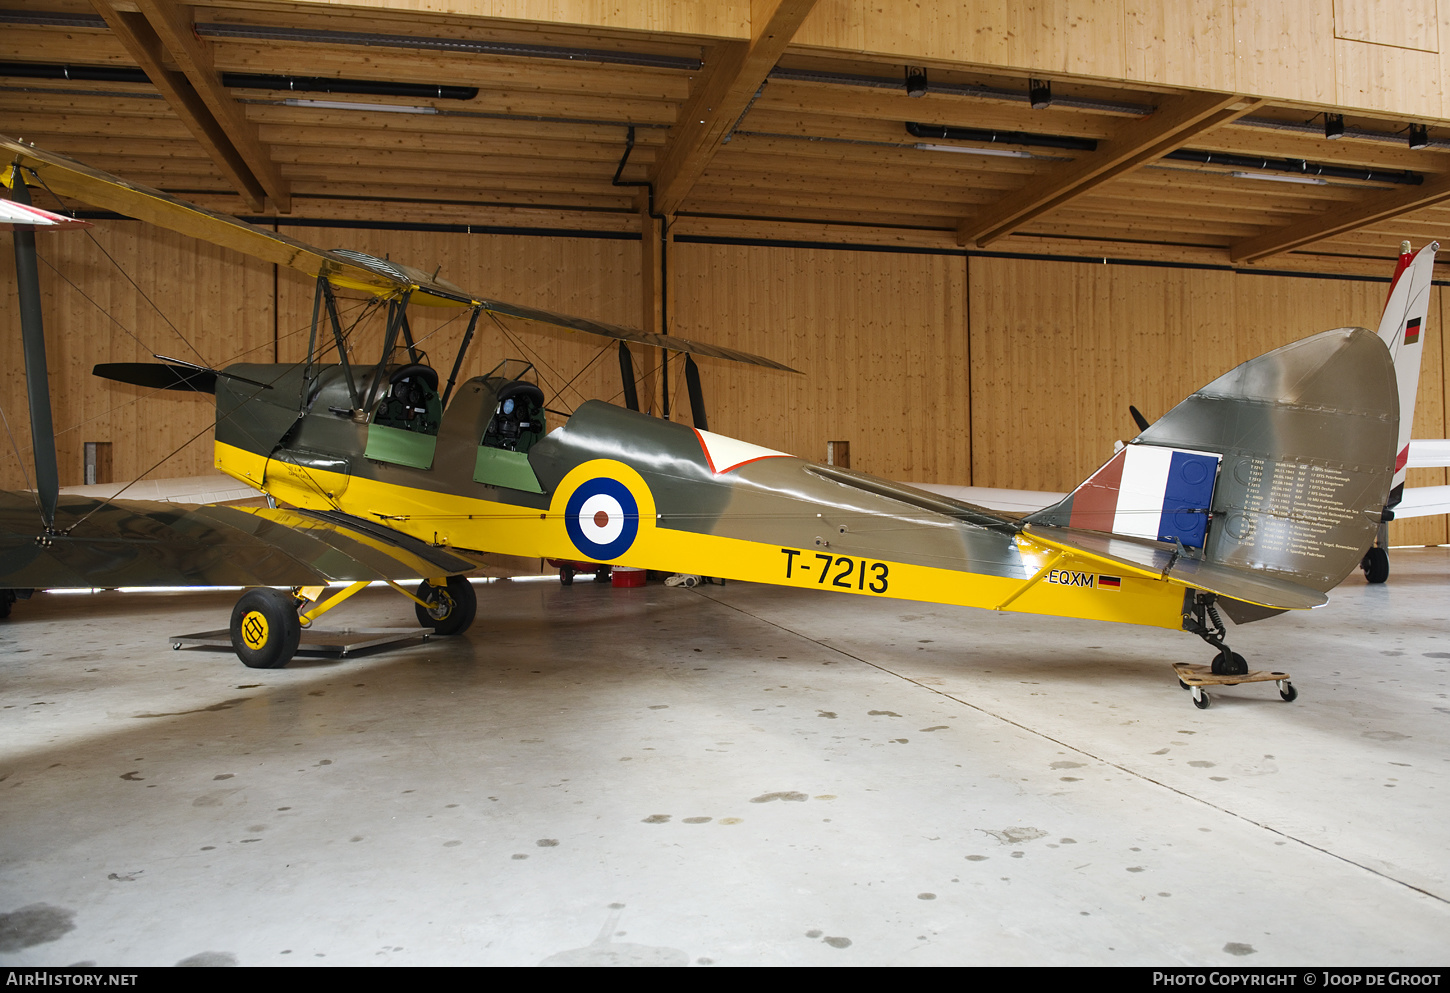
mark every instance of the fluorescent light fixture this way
{"type": "Point", "coordinates": [1271, 178]}
{"type": "Point", "coordinates": [382, 108]}
{"type": "Point", "coordinates": [1006, 153]}
{"type": "Point", "coordinates": [176, 589]}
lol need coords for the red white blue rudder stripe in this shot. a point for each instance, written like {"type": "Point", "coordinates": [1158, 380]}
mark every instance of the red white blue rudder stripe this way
{"type": "Point", "coordinates": [1149, 492]}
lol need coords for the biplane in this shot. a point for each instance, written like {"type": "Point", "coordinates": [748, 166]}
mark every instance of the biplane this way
{"type": "Point", "coordinates": [1257, 494]}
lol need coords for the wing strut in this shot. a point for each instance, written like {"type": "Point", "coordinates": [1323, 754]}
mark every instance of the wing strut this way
{"type": "Point", "coordinates": [397, 310]}
{"type": "Point", "coordinates": [37, 381]}
{"type": "Point", "coordinates": [462, 351]}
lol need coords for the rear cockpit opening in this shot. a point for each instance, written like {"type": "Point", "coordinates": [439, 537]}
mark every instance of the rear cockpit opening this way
{"type": "Point", "coordinates": [517, 422]}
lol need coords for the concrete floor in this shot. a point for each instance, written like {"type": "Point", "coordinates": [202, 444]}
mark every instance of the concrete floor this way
{"type": "Point", "coordinates": [728, 776]}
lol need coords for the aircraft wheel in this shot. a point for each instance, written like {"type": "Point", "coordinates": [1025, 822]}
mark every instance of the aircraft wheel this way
{"type": "Point", "coordinates": [6, 599]}
{"type": "Point", "coordinates": [566, 575]}
{"type": "Point", "coordinates": [1201, 700]}
{"type": "Point", "coordinates": [1375, 565]}
{"type": "Point", "coordinates": [602, 574]}
{"type": "Point", "coordinates": [1287, 691]}
{"type": "Point", "coordinates": [454, 605]}
{"type": "Point", "coordinates": [265, 628]}
{"type": "Point", "coordinates": [1229, 664]}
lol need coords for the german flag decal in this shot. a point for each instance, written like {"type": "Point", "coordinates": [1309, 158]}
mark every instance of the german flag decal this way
{"type": "Point", "coordinates": [1110, 583]}
{"type": "Point", "coordinates": [1412, 331]}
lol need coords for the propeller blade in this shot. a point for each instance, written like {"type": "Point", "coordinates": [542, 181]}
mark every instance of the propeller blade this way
{"type": "Point", "coordinates": [1138, 418]}
{"type": "Point", "coordinates": [697, 395]}
{"type": "Point", "coordinates": [626, 373]}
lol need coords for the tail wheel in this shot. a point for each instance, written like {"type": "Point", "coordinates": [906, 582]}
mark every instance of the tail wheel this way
{"type": "Point", "coordinates": [1375, 565]}
{"type": "Point", "coordinates": [1228, 663]}
{"type": "Point", "coordinates": [265, 628]}
{"type": "Point", "coordinates": [451, 608]}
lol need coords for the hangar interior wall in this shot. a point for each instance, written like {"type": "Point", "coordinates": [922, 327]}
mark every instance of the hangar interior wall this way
{"type": "Point", "coordinates": [935, 367]}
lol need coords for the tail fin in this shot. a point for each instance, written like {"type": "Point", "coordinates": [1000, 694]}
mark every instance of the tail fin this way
{"type": "Point", "coordinates": [1401, 328]}
{"type": "Point", "coordinates": [1279, 468]}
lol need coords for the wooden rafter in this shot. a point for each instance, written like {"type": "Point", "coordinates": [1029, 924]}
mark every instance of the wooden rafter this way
{"type": "Point", "coordinates": [1342, 218]}
{"type": "Point", "coordinates": [157, 31]}
{"type": "Point", "coordinates": [734, 73]}
{"type": "Point", "coordinates": [1172, 125]}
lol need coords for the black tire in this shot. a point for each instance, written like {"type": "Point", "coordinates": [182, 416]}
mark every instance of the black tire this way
{"type": "Point", "coordinates": [454, 605]}
{"type": "Point", "coordinates": [566, 575]}
{"type": "Point", "coordinates": [265, 628]}
{"type": "Point", "coordinates": [1184, 686]}
{"type": "Point", "coordinates": [1375, 565]}
{"type": "Point", "coordinates": [1202, 701]}
{"type": "Point", "coordinates": [602, 574]}
{"type": "Point", "coordinates": [7, 597]}
{"type": "Point", "coordinates": [1289, 693]}
{"type": "Point", "coordinates": [1228, 663]}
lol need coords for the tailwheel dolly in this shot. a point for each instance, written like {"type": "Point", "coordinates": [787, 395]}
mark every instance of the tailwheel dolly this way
{"type": "Point", "coordinates": [1200, 617]}
{"type": "Point", "coordinates": [1195, 677]}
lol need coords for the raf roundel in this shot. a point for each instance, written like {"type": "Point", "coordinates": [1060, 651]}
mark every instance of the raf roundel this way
{"type": "Point", "coordinates": [602, 519]}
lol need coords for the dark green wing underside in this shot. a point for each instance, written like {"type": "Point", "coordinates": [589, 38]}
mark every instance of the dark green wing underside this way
{"type": "Point", "coordinates": [139, 543]}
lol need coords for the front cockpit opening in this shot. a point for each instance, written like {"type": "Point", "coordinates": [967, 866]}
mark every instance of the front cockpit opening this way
{"type": "Point", "coordinates": [411, 402]}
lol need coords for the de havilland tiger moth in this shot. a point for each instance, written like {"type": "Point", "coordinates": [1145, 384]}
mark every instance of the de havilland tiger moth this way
{"type": "Point", "coordinates": [1257, 494]}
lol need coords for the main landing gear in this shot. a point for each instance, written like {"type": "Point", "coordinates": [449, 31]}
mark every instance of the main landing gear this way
{"type": "Point", "coordinates": [1228, 668]}
{"type": "Point", "coordinates": [266, 625]}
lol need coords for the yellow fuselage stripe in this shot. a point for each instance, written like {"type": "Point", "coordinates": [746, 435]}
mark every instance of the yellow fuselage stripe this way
{"type": "Point", "coordinates": [1070, 587]}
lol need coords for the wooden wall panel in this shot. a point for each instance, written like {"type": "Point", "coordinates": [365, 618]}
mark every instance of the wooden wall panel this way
{"type": "Point", "coordinates": [219, 302]}
{"type": "Point", "coordinates": [1379, 55]}
{"type": "Point", "coordinates": [1059, 351]}
{"type": "Point", "coordinates": [1401, 23]}
{"type": "Point", "coordinates": [1382, 77]}
{"type": "Point", "coordinates": [1072, 36]}
{"type": "Point", "coordinates": [721, 18]}
{"type": "Point", "coordinates": [1286, 48]}
{"type": "Point", "coordinates": [880, 337]}
{"type": "Point", "coordinates": [1187, 43]}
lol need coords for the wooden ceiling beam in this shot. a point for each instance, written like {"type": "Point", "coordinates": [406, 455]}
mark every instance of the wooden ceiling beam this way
{"type": "Point", "coordinates": [173, 27]}
{"type": "Point", "coordinates": [147, 48]}
{"type": "Point", "coordinates": [1176, 122]}
{"type": "Point", "coordinates": [734, 72]}
{"type": "Point", "coordinates": [1340, 219]}
{"type": "Point", "coordinates": [143, 44]}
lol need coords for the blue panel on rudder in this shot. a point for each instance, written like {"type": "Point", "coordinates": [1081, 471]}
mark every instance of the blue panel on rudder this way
{"type": "Point", "coordinates": [1187, 498]}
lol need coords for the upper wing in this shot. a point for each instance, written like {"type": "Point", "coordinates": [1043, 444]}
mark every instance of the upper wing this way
{"type": "Point", "coordinates": [137, 543]}
{"type": "Point", "coordinates": [353, 270]}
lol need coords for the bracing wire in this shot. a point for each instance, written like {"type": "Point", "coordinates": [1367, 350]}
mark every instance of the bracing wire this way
{"type": "Point", "coordinates": [124, 273]}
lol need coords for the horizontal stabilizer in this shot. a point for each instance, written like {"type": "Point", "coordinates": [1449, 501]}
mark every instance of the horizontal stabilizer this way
{"type": "Point", "coordinates": [1423, 501]}
{"type": "Point", "coordinates": [1429, 453]}
{"type": "Point", "coordinates": [1164, 561]}
{"type": "Point", "coordinates": [158, 376]}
